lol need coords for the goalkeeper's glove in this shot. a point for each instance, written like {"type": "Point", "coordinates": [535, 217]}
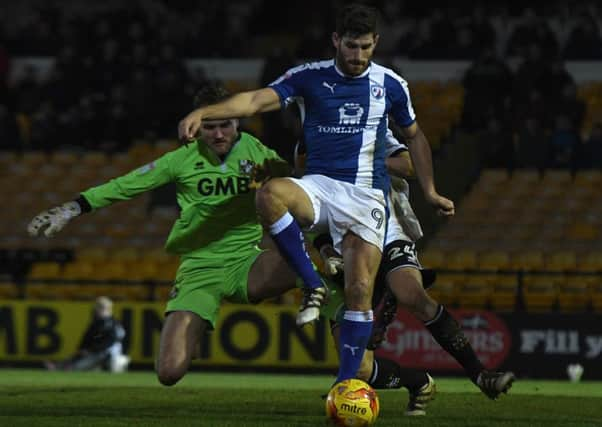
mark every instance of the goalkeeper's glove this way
{"type": "Point", "coordinates": [54, 220]}
{"type": "Point", "coordinates": [270, 168]}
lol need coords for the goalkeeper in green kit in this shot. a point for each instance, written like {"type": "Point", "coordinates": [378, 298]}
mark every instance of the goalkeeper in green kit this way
{"type": "Point", "coordinates": [223, 254]}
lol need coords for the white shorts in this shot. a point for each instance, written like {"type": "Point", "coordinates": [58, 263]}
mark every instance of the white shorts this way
{"type": "Point", "coordinates": [340, 207]}
{"type": "Point", "coordinates": [395, 231]}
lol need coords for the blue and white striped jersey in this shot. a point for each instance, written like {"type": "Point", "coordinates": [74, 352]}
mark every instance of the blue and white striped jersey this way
{"type": "Point", "coordinates": [345, 118]}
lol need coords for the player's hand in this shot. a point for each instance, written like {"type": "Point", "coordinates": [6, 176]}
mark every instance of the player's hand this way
{"type": "Point", "coordinates": [270, 168]}
{"type": "Point", "coordinates": [333, 265]}
{"type": "Point", "coordinates": [189, 126]}
{"type": "Point", "coordinates": [53, 220]}
{"type": "Point", "coordinates": [443, 205]}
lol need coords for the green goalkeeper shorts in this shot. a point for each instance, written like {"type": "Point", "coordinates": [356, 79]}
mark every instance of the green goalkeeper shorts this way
{"type": "Point", "coordinates": [200, 288]}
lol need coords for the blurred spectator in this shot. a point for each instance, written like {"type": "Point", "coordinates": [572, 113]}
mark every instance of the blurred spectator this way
{"type": "Point", "coordinates": [9, 132]}
{"type": "Point", "coordinates": [584, 42]}
{"type": "Point", "coordinates": [487, 85]}
{"type": "Point", "coordinates": [532, 29]}
{"type": "Point", "coordinates": [531, 145]}
{"type": "Point", "coordinates": [568, 104]}
{"type": "Point", "coordinates": [279, 132]}
{"type": "Point", "coordinates": [588, 154]}
{"type": "Point", "coordinates": [563, 142]}
{"type": "Point", "coordinates": [101, 346]}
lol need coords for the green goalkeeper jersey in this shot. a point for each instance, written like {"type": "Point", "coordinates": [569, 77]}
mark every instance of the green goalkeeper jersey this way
{"type": "Point", "coordinates": [218, 217]}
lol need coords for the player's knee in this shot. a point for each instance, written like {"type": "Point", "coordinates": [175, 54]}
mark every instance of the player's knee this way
{"type": "Point", "coordinates": [266, 196]}
{"type": "Point", "coordinates": [169, 375]}
{"type": "Point", "coordinates": [358, 295]}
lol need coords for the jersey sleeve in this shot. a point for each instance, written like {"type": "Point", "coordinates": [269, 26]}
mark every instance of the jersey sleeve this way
{"type": "Point", "coordinates": [290, 85]}
{"type": "Point", "coordinates": [145, 178]}
{"type": "Point", "coordinates": [393, 146]}
{"type": "Point", "coordinates": [401, 103]}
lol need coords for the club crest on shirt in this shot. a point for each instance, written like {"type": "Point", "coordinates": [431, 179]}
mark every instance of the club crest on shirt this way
{"type": "Point", "coordinates": [245, 167]}
{"type": "Point", "coordinates": [377, 91]}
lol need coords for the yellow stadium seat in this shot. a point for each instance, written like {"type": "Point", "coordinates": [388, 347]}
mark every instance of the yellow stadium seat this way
{"type": "Point", "coordinates": [541, 291]}
{"type": "Point", "coordinates": [93, 255]}
{"type": "Point", "coordinates": [55, 291]}
{"type": "Point", "coordinates": [79, 270]}
{"type": "Point", "coordinates": [592, 261]}
{"type": "Point", "coordinates": [589, 178]}
{"type": "Point", "coordinates": [504, 292]}
{"type": "Point", "coordinates": [557, 177]}
{"type": "Point", "coordinates": [445, 289]}
{"type": "Point", "coordinates": [34, 159]}
{"type": "Point", "coordinates": [45, 270]}
{"type": "Point", "coordinates": [128, 255]}
{"type": "Point", "coordinates": [64, 159]}
{"type": "Point", "coordinates": [8, 290]}
{"type": "Point", "coordinates": [528, 261]}
{"type": "Point", "coordinates": [112, 270]}
{"type": "Point", "coordinates": [494, 260]}
{"type": "Point", "coordinates": [94, 159]}
{"type": "Point", "coordinates": [474, 291]}
{"type": "Point", "coordinates": [574, 294]}
{"type": "Point", "coordinates": [561, 261]}
{"type": "Point", "coordinates": [462, 260]}
{"type": "Point", "coordinates": [432, 258]}
{"type": "Point", "coordinates": [526, 177]}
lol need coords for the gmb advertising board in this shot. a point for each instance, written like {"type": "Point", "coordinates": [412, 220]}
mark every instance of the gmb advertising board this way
{"type": "Point", "coordinates": [265, 336]}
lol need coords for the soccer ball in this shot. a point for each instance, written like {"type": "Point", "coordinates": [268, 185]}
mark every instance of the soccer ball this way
{"type": "Point", "coordinates": [352, 403]}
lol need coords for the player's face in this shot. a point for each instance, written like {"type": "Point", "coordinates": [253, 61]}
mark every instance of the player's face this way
{"type": "Point", "coordinates": [219, 135]}
{"type": "Point", "coordinates": [354, 53]}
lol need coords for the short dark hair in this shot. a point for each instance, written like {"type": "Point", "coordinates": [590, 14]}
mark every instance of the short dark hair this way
{"type": "Point", "coordinates": [356, 19]}
{"type": "Point", "coordinates": [211, 93]}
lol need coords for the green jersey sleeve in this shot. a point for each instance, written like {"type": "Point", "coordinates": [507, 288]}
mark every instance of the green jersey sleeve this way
{"type": "Point", "coordinates": [145, 178]}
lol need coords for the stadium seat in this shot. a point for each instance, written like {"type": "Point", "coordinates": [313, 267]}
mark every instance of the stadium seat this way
{"type": "Point", "coordinates": [33, 160]}
{"type": "Point", "coordinates": [590, 262]}
{"type": "Point", "coordinates": [45, 270]}
{"type": "Point", "coordinates": [94, 255]}
{"type": "Point", "coordinates": [474, 291]}
{"type": "Point", "coordinates": [561, 261]}
{"type": "Point", "coordinates": [504, 292]}
{"type": "Point", "coordinates": [462, 260]}
{"type": "Point", "coordinates": [588, 178]}
{"type": "Point", "coordinates": [8, 289]}
{"type": "Point", "coordinates": [432, 258]}
{"type": "Point", "coordinates": [64, 159]}
{"type": "Point", "coordinates": [445, 290]}
{"type": "Point", "coordinates": [574, 294]}
{"type": "Point", "coordinates": [494, 260]}
{"type": "Point", "coordinates": [541, 291]}
{"type": "Point", "coordinates": [528, 261]}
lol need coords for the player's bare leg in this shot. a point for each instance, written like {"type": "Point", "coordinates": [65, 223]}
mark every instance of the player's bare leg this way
{"type": "Point", "coordinates": [406, 285]}
{"type": "Point", "coordinates": [270, 276]}
{"type": "Point", "coordinates": [284, 208]}
{"type": "Point", "coordinates": [180, 338]}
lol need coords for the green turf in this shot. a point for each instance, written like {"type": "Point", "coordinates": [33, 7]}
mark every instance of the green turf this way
{"type": "Point", "coordinates": [39, 398]}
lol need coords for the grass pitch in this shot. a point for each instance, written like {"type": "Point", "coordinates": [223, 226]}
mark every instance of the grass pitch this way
{"type": "Point", "coordinates": [40, 398]}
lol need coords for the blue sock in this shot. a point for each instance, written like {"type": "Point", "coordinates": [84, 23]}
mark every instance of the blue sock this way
{"type": "Point", "coordinates": [356, 328]}
{"type": "Point", "coordinates": [288, 237]}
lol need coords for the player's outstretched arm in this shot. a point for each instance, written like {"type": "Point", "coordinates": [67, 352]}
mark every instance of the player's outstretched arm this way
{"type": "Point", "coordinates": [420, 151]}
{"type": "Point", "coordinates": [54, 220]}
{"type": "Point", "coordinates": [400, 165]}
{"type": "Point", "coordinates": [243, 104]}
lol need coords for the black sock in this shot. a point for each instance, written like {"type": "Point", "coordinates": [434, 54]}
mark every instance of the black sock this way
{"type": "Point", "coordinates": [447, 332]}
{"type": "Point", "coordinates": [388, 374]}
